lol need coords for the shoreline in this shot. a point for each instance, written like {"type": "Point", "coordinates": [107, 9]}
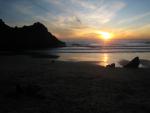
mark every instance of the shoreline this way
{"type": "Point", "coordinates": [98, 59]}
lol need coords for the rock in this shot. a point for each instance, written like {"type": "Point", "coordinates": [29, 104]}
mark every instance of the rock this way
{"type": "Point", "coordinates": [110, 65]}
{"type": "Point", "coordinates": [35, 36]}
{"type": "Point", "coordinates": [134, 63]}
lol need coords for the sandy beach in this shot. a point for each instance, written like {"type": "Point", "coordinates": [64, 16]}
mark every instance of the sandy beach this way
{"type": "Point", "coordinates": [72, 87]}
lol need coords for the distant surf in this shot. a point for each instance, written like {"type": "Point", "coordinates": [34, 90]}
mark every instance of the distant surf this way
{"type": "Point", "coordinates": [112, 47]}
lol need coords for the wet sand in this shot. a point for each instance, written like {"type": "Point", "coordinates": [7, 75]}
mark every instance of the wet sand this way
{"type": "Point", "coordinates": [72, 87]}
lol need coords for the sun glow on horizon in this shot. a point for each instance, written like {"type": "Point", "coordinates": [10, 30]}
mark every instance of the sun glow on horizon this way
{"type": "Point", "coordinates": [105, 35]}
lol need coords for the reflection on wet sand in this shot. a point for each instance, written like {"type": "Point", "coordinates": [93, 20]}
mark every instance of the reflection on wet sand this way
{"type": "Point", "coordinates": [104, 59]}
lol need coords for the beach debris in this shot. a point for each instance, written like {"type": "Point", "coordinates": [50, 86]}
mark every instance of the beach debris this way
{"type": "Point", "coordinates": [134, 63]}
{"type": "Point", "coordinates": [110, 65]}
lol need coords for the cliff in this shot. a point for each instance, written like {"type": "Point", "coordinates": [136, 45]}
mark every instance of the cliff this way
{"type": "Point", "coordinates": [35, 36]}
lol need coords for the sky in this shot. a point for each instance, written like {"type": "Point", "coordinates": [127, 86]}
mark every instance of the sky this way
{"type": "Point", "coordinates": [82, 19]}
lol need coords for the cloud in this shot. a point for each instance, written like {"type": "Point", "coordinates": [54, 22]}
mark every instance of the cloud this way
{"type": "Point", "coordinates": [89, 12]}
{"type": "Point", "coordinates": [102, 14]}
{"type": "Point", "coordinates": [62, 16]}
{"type": "Point", "coordinates": [72, 19]}
{"type": "Point", "coordinates": [134, 18]}
{"type": "Point", "coordinates": [84, 4]}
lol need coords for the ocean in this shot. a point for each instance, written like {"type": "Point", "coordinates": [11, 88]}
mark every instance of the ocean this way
{"type": "Point", "coordinates": [104, 53]}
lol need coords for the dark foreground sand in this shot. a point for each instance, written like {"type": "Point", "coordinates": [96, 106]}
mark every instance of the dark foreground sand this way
{"type": "Point", "coordinates": [68, 87]}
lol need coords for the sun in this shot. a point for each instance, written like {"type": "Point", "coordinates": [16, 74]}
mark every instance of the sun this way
{"type": "Point", "coordinates": [105, 35]}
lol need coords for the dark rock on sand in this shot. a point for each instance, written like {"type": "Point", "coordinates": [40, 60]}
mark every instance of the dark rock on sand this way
{"type": "Point", "coordinates": [110, 65]}
{"type": "Point", "coordinates": [134, 63]}
{"type": "Point", "coordinates": [35, 36]}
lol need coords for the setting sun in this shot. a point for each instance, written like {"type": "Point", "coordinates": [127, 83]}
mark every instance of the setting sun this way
{"type": "Point", "coordinates": [105, 35]}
